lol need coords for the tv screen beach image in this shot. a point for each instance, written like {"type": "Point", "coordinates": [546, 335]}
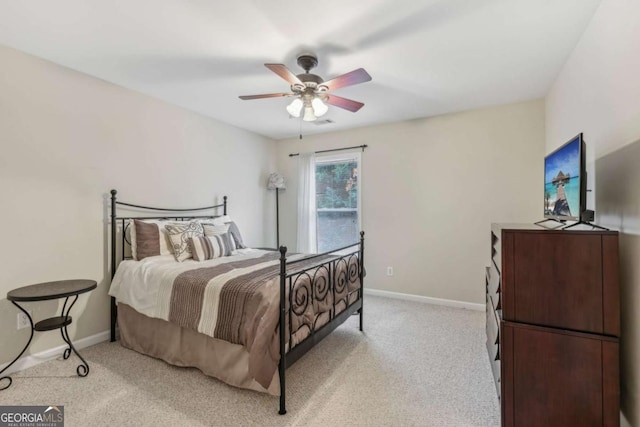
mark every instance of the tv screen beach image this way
{"type": "Point", "coordinates": [562, 181]}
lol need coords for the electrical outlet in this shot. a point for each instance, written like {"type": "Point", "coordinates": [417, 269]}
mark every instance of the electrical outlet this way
{"type": "Point", "coordinates": [23, 320]}
{"type": "Point", "coordinates": [389, 271]}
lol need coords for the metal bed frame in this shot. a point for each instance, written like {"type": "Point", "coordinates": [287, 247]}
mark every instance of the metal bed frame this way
{"type": "Point", "coordinates": [351, 260]}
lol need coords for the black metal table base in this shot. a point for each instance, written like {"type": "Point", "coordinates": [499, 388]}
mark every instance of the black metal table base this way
{"type": "Point", "coordinates": [83, 369]}
{"type": "Point", "coordinates": [8, 378]}
{"type": "Point", "coordinates": [46, 325]}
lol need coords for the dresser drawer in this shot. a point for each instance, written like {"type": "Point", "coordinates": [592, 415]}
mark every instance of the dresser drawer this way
{"type": "Point", "coordinates": [551, 286]}
{"type": "Point", "coordinates": [559, 378]}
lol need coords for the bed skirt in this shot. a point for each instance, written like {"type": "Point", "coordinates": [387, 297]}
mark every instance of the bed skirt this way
{"type": "Point", "coordinates": [187, 348]}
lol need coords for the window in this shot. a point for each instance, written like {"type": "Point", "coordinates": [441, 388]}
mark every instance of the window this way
{"type": "Point", "coordinates": [337, 182]}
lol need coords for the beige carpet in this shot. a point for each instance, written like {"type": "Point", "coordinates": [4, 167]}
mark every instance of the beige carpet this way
{"type": "Point", "coordinates": [415, 365]}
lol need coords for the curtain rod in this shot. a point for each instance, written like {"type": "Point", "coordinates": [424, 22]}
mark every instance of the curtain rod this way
{"type": "Point", "coordinates": [335, 149]}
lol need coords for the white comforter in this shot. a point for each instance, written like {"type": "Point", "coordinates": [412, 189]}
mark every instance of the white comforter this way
{"type": "Point", "coordinates": [146, 285]}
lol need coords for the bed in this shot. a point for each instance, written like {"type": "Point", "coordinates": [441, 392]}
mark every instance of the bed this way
{"type": "Point", "coordinates": [242, 315]}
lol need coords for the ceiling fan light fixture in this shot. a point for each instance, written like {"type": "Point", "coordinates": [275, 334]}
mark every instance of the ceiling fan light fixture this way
{"type": "Point", "coordinates": [311, 92]}
{"type": "Point", "coordinates": [319, 107]}
{"type": "Point", "coordinates": [309, 116]}
{"type": "Point", "coordinates": [295, 107]}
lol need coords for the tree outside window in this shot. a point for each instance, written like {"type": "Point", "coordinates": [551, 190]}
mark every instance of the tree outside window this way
{"type": "Point", "coordinates": [336, 203]}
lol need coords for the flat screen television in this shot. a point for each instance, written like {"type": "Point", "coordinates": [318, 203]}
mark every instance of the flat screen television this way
{"type": "Point", "coordinates": [565, 181]}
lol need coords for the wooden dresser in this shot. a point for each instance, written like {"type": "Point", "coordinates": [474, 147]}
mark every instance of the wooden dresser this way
{"type": "Point", "coordinates": [553, 322]}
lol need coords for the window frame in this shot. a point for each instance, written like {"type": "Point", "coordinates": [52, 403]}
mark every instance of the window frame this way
{"type": "Point", "coordinates": [348, 156]}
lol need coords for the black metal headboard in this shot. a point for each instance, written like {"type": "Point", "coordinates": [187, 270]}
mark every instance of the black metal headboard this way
{"type": "Point", "coordinates": [168, 213]}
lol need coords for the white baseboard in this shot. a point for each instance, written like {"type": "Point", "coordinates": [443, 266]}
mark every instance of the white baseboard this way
{"type": "Point", "coordinates": [53, 353]}
{"type": "Point", "coordinates": [427, 300]}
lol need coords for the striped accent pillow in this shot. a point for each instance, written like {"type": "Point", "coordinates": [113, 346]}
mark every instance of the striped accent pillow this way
{"type": "Point", "coordinates": [233, 229]}
{"type": "Point", "coordinates": [210, 247]}
{"type": "Point", "coordinates": [214, 230]}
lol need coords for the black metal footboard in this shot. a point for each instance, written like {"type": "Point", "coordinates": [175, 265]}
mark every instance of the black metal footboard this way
{"type": "Point", "coordinates": [330, 283]}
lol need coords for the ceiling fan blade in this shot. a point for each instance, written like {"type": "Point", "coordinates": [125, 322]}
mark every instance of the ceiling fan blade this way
{"type": "Point", "coordinates": [347, 104]}
{"type": "Point", "coordinates": [351, 78]}
{"type": "Point", "coordinates": [285, 73]}
{"type": "Point", "coordinates": [266, 95]}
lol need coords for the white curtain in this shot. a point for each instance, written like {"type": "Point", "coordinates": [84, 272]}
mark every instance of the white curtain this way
{"type": "Point", "coordinates": [307, 241]}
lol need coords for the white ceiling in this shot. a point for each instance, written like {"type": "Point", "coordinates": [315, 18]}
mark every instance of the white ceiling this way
{"type": "Point", "coordinates": [426, 57]}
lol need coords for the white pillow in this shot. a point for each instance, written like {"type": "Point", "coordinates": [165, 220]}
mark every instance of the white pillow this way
{"type": "Point", "coordinates": [222, 220]}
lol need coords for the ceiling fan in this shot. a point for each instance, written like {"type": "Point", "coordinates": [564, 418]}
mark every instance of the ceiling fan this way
{"type": "Point", "coordinates": [311, 92]}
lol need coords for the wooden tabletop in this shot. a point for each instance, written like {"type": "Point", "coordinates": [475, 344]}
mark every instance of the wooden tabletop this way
{"type": "Point", "coordinates": [52, 290]}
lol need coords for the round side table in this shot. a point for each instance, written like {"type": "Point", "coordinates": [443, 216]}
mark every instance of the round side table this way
{"type": "Point", "coordinates": [48, 291]}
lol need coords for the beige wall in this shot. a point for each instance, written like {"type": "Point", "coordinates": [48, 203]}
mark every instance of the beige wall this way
{"type": "Point", "coordinates": [65, 140]}
{"type": "Point", "coordinates": [430, 190]}
{"type": "Point", "coordinates": [598, 93]}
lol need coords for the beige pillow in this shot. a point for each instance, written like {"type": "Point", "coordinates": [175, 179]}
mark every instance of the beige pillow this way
{"type": "Point", "coordinates": [179, 236]}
